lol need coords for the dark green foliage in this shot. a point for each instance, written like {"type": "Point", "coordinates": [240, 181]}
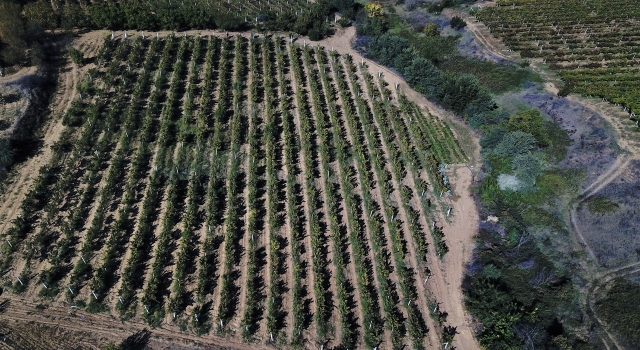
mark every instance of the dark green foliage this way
{"type": "Point", "coordinates": [387, 47]}
{"type": "Point", "coordinates": [13, 40]}
{"type": "Point", "coordinates": [532, 122]}
{"type": "Point", "coordinates": [515, 144]}
{"type": "Point", "coordinates": [72, 16]}
{"type": "Point", "coordinates": [315, 21]}
{"type": "Point", "coordinates": [620, 309]}
{"type": "Point", "coordinates": [6, 154]}
{"type": "Point", "coordinates": [76, 56]}
{"type": "Point", "coordinates": [601, 205]}
{"type": "Point", "coordinates": [431, 30]}
{"type": "Point", "coordinates": [370, 26]}
{"type": "Point", "coordinates": [457, 23]}
{"type": "Point", "coordinates": [497, 78]}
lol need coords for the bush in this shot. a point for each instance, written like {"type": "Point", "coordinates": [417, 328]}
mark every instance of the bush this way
{"type": "Point", "coordinates": [457, 23]}
{"type": "Point", "coordinates": [76, 56]}
{"type": "Point", "coordinates": [344, 22]}
{"type": "Point", "coordinates": [514, 144]}
{"type": "Point", "coordinates": [6, 154]}
{"type": "Point", "coordinates": [431, 30]}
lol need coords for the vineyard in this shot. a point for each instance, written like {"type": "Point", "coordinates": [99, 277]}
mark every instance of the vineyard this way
{"type": "Point", "coordinates": [593, 45]}
{"type": "Point", "coordinates": [241, 186]}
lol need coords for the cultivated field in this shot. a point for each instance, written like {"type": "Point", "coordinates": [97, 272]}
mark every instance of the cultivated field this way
{"type": "Point", "coordinates": [594, 45]}
{"type": "Point", "coordinates": [247, 187]}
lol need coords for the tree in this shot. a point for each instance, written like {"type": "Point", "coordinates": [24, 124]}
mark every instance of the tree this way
{"type": "Point", "coordinates": [76, 56]}
{"type": "Point", "coordinates": [73, 16]}
{"type": "Point", "coordinates": [526, 167]}
{"type": "Point", "coordinates": [530, 121]}
{"type": "Point", "coordinates": [374, 10]}
{"type": "Point", "coordinates": [386, 48]}
{"type": "Point", "coordinates": [12, 33]}
{"type": "Point", "coordinates": [40, 12]}
{"type": "Point", "coordinates": [431, 30]}
{"type": "Point", "coordinates": [514, 144]}
{"type": "Point", "coordinates": [6, 154]}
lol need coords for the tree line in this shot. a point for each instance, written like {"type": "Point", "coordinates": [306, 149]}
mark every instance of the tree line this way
{"type": "Point", "coordinates": [23, 23]}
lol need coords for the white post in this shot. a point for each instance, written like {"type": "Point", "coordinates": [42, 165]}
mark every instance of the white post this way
{"type": "Point", "coordinates": [125, 34]}
{"type": "Point", "coordinates": [143, 34]}
{"type": "Point", "coordinates": [10, 245]}
{"type": "Point", "coordinates": [112, 35]}
{"type": "Point", "coordinates": [94, 295]}
{"type": "Point", "coordinates": [146, 308]}
{"type": "Point", "coordinates": [71, 290]}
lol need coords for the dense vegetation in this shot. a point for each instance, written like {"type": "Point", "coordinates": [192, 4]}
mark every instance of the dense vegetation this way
{"type": "Point", "coordinates": [213, 181]}
{"type": "Point", "coordinates": [518, 295]}
{"type": "Point", "coordinates": [592, 44]}
{"type": "Point", "coordinates": [620, 309]}
{"type": "Point", "coordinates": [22, 23]}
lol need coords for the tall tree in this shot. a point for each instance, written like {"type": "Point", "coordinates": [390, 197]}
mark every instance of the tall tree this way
{"type": "Point", "coordinates": [12, 33]}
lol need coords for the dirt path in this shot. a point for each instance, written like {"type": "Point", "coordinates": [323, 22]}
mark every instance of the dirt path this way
{"type": "Point", "coordinates": [611, 174]}
{"type": "Point", "coordinates": [460, 237]}
{"type": "Point", "coordinates": [103, 326]}
{"type": "Point", "coordinates": [19, 74]}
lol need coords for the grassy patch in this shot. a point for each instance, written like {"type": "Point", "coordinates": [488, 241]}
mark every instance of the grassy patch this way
{"type": "Point", "coordinates": [497, 78]}
{"type": "Point", "coordinates": [553, 183]}
{"type": "Point", "coordinates": [601, 205]}
{"type": "Point", "coordinates": [433, 48]}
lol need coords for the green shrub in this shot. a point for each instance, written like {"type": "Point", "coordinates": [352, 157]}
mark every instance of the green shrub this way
{"type": "Point", "coordinates": [601, 205]}
{"type": "Point", "coordinates": [76, 56]}
{"type": "Point", "coordinates": [457, 23]}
